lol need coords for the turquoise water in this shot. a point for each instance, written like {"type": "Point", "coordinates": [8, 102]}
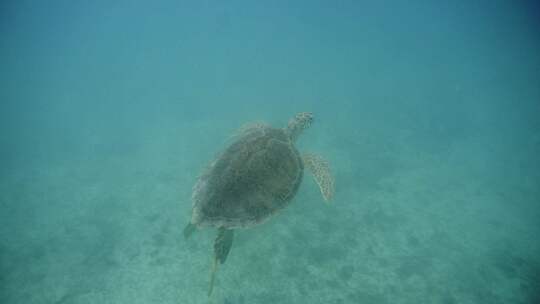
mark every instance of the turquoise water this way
{"type": "Point", "coordinates": [428, 113]}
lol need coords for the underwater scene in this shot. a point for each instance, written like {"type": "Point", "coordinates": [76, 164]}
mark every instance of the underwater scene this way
{"type": "Point", "coordinates": [262, 152]}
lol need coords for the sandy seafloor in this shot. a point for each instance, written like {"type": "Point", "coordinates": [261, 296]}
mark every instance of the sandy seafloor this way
{"type": "Point", "coordinates": [429, 227]}
{"type": "Point", "coordinates": [428, 113]}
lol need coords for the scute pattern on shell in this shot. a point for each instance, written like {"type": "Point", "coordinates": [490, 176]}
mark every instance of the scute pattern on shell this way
{"type": "Point", "coordinates": [254, 178]}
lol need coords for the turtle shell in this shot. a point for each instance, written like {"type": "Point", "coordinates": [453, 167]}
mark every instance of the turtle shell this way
{"type": "Point", "coordinates": [254, 177]}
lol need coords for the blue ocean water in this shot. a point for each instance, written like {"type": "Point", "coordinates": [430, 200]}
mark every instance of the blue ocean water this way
{"type": "Point", "coordinates": [428, 112]}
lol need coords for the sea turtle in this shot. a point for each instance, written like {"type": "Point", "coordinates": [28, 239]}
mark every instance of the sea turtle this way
{"type": "Point", "coordinates": [256, 176]}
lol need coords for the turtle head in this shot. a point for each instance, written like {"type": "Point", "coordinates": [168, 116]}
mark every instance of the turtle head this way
{"type": "Point", "coordinates": [298, 123]}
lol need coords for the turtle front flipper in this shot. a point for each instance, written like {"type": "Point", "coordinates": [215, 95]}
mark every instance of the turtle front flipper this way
{"type": "Point", "coordinates": [222, 246]}
{"type": "Point", "coordinates": [320, 170]}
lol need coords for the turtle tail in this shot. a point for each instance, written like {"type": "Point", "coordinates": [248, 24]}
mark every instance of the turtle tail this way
{"type": "Point", "coordinates": [188, 230]}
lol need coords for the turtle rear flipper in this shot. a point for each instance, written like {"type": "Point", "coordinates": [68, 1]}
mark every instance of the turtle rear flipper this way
{"type": "Point", "coordinates": [222, 246]}
{"type": "Point", "coordinates": [320, 170]}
